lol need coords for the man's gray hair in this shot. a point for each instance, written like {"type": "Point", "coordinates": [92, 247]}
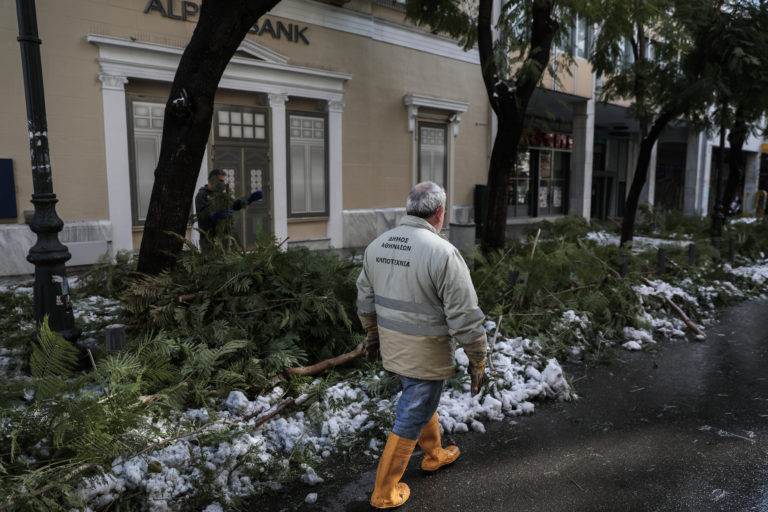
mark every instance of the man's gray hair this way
{"type": "Point", "coordinates": [425, 199]}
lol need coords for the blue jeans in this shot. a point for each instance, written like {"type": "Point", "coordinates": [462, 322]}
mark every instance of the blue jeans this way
{"type": "Point", "coordinates": [416, 406]}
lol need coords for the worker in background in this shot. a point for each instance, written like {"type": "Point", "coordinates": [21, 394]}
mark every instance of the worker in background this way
{"type": "Point", "coordinates": [214, 205]}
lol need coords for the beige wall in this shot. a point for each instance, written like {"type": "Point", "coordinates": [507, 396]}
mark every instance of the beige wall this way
{"type": "Point", "coordinates": [307, 229]}
{"type": "Point", "coordinates": [72, 95]}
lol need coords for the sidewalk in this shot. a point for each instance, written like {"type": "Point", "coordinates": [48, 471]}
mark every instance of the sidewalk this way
{"type": "Point", "coordinates": [681, 429]}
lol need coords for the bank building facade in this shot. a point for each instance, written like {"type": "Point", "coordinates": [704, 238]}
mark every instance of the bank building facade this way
{"type": "Point", "coordinates": [334, 109]}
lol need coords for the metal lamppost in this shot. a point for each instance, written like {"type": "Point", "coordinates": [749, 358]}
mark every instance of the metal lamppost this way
{"type": "Point", "coordinates": [48, 255]}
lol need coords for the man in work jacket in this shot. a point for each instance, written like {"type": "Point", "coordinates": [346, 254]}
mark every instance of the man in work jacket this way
{"type": "Point", "coordinates": [416, 300]}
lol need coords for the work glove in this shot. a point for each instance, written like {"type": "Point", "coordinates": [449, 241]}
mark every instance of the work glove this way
{"type": "Point", "coordinates": [255, 196]}
{"type": "Point", "coordinates": [221, 215]}
{"type": "Point", "coordinates": [476, 371]}
{"type": "Point", "coordinates": [371, 344]}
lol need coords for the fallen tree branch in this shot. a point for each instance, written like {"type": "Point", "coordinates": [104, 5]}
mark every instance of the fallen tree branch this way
{"type": "Point", "coordinates": [692, 326]}
{"type": "Point", "coordinates": [358, 351]}
{"type": "Point", "coordinates": [270, 415]}
{"type": "Point", "coordinates": [328, 363]}
{"type": "Point", "coordinates": [535, 243]}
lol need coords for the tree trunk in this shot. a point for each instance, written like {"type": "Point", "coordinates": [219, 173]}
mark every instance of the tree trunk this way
{"type": "Point", "coordinates": [503, 158]}
{"type": "Point", "coordinates": [509, 107]}
{"type": "Point", "coordinates": [220, 29]}
{"type": "Point", "coordinates": [641, 175]}
{"type": "Point", "coordinates": [736, 138]}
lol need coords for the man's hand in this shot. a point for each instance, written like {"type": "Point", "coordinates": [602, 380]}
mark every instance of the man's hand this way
{"type": "Point", "coordinates": [372, 344]}
{"type": "Point", "coordinates": [476, 371]}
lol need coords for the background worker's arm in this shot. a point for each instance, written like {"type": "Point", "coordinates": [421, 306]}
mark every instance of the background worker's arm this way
{"type": "Point", "coordinates": [241, 203]}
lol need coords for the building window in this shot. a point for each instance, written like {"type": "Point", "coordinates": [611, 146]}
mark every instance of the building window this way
{"type": "Point", "coordinates": [583, 38]}
{"type": "Point", "coordinates": [432, 153]}
{"type": "Point", "coordinates": [519, 200]}
{"type": "Point", "coordinates": [576, 39]}
{"type": "Point", "coordinates": [240, 126]}
{"type": "Point", "coordinates": [538, 185]}
{"type": "Point", "coordinates": [146, 134]}
{"type": "Point", "coordinates": [307, 165]}
{"type": "Point", "coordinates": [553, 168]}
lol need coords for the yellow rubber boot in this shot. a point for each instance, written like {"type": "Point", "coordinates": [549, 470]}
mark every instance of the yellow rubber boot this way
{"type": "Point", "coordinates": [389, 491]}
{"type": "Point", "coordinates": [436, 455]}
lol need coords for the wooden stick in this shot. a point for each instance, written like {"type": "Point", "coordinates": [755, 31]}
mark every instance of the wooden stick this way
{"type": "Point", "coordinates": [269, 416]}
{"type": "Point", "coordinates": [328, 363]}
{"type": "Point", "coordinates": [189, 297]}
{"type": "Point", "coordinates": [692, 326]}
{"type": "Point", "coordinates": [493, 342]}
{"type": "Point", "coordinates": [535, 243]}
{"type": "Point", "coordinates": [577, 288]}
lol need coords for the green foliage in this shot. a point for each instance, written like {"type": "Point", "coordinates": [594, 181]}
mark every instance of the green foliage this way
{"type": "Point", "coordinates": [566, 273]}
{"type": "Point", "coordinates": [64, 425]}
{"type": "Point", "coordinates": [285, 308]}
{"type": "Point", "coordinates": [108, 278]}
{"type": "Point", "coordinates": [16, 320]}
{"type": "Point", "coordinates": [53, 357]}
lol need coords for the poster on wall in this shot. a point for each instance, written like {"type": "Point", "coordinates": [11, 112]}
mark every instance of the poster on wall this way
{"type": "Point", "coordinates": [542, 197]}
{"type": "Point", "coordinates": [557, 197]}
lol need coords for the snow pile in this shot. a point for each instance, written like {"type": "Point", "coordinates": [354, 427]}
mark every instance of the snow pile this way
{"type": "Point", "coordinates": [344, 415]}
{"type": "Point", "coordinates": [96, 309]}
{"type": "Point", "coordinates": [639, 243]}
{"type": "Point", "coordinates": [757, 273]}
{"type": "Point", "coordinates": [603, 238]}
{"type": "Point", "coordinates": [636, 338]}
{"type": "Point", "coordinates": [659, 287]}
{"type": "Point", "coordinates": [743, 220]}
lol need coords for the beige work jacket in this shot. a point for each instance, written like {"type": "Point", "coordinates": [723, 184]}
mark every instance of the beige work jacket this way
{"type": "Point", "coordinates": [416, 286]}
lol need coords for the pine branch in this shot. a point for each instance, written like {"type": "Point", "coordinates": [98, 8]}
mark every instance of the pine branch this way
{"type": "Point", "coordinates": [43, 490]}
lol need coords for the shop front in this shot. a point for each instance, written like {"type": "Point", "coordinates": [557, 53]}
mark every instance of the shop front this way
{"type": "Point", "coordinates": [538, 186]}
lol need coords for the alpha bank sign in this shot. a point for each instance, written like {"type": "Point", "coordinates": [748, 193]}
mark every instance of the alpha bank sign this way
{"type": "Point", "coordinates": [187, 10]}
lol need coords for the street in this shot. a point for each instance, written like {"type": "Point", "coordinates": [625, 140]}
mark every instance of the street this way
{"type": "Point", "coordinates": [684, 428]}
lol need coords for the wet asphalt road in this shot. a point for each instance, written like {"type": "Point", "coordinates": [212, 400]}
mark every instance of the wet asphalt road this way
{"type": "Point", "coordinates": [684, 428]}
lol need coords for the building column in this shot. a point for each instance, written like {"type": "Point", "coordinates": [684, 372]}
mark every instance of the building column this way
{"type": "Point", "coordinates": [698, 162]}
{"type": "Point", "coordinates": [751, 182]}
{"type": "Point", "coordinates": [279, 167]}
{"type": "Point", "coordinates": [580, 183]}
{"type": "Point", "coordinates": [453, 132]}
{"type": "Point", "coordinates": [335, 197]}
{"type": "Point", "coordinates": [118, 170]}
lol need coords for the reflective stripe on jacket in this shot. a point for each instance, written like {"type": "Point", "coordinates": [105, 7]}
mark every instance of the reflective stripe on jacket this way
{"type": "Point", "coordinates": [419, 288]}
